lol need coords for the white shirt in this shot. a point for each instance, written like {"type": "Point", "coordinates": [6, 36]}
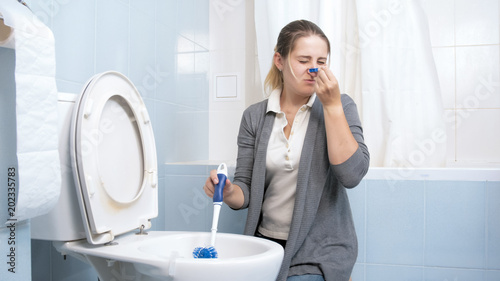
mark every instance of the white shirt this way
{"type": "Point", "coordinates": [282, 162]}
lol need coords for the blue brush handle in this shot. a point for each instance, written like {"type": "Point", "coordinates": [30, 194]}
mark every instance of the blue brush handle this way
{"type": "Point", "coordinates": [219, 188]}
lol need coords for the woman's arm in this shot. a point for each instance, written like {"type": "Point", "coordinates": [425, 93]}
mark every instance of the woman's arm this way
{"type": "Point", "coordinates": [347, 152]}
{"type": "Point", "coordinates": [340, 141]}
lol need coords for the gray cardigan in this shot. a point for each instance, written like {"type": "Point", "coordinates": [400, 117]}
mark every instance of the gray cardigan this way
{"type": "Point", "coordinates": [322, 239]}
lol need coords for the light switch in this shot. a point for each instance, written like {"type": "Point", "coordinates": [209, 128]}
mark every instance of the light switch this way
{"type": "Point", "coordinates": [226, 86]}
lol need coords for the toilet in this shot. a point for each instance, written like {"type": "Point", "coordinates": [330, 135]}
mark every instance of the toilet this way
{"type": "Point", "coordinates": [109, 194]}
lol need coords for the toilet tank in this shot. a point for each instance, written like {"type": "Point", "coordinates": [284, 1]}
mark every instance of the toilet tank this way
{"type": "Point", "coordinates": [64, 221]}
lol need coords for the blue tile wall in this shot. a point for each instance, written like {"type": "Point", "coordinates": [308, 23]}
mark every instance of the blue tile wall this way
{"type": "Point", "coordinates": [159, 45]}
{"type": "Point", "coordinates": [493, 226]}
{"type": "Point", "coordinates": [187, 207]}
{"type": "Point", "coordinates": [358, 208]}
{"type": "Point", "coordinates": [162, 46]}
{"type": "Point", "coordinates": [427, 230]}
{"type": "Point", "coordinates": [73, 62]}
{"type": "Point", "coordinates": [394, 219]}
{"type": "Point", "coordinates": [455, 224]}
{"type": "Point", "coordinates": [393, 273]}
{"type": "Point", "coordinates": [492, 275]}
{"type": "Point", "coordinates": [439, 274]}
{"type": "Point", "coordinates": [112, 38]}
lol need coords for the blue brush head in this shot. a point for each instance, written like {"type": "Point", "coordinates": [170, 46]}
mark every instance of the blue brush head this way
{"type": "Point", "coordinates": [205, 253]}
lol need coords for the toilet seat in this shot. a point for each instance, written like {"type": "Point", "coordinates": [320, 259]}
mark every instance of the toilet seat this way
{"type": "Point", "coordinates": [114, 158]}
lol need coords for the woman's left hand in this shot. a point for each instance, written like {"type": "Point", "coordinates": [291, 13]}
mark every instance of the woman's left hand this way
{"type": "Point", "coordinates": [327, 87]}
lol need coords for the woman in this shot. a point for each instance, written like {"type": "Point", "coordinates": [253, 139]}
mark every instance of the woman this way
{"type": "Point", "coordinates": [297, 152]}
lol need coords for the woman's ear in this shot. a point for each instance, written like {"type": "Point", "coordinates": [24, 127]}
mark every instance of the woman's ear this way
{"type": "Point", "coordinates": [278, 61]}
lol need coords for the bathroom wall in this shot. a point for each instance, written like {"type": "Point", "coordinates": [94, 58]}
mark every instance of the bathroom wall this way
{"type": "Point", "coordinates": [163, 47]}
{"type": "Point", "coordinates": [465, 40]}
{"type": "Point", "coordinates": [232, 52]}
{"type": "Point", "coordinates": [435, 225]}
{"type": "Point", "coordinates": [189, 209]}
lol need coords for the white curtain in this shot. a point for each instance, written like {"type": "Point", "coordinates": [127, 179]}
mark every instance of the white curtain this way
{"type": "Point", "coordinates": [382, 57]}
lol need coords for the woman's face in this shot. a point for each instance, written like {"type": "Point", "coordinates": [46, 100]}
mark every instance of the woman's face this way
{"type": "Point", "coordinates": [308, 52]}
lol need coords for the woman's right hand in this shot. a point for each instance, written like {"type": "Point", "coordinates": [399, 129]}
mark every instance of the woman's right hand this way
{"type": "Point", "coordinates": [212, 181]}
{"type": "Point", "coordinates": [232, 194]}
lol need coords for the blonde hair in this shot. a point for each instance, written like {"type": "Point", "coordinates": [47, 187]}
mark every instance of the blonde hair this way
{"type": "Point", "coordinates": [284, 46]}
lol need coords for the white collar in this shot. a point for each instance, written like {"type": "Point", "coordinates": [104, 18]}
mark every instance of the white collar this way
{"type": "Point", "coordinates": [273, 103]}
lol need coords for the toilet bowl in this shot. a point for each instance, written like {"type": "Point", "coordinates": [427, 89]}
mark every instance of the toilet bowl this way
{"type": "Point", "coordinates": [168, 256]}
{"type": "Point", "coordinates": [109, 195]}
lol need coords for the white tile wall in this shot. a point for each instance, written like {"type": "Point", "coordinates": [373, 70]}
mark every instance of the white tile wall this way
{"type": "Point", "coordinates": [228, 49]}
{"type": "Point", "coordinates": [441, 14]}
{"type": "Point", "coordinates": [475, 67]}
{"type": "Point", "coordinates": [445, 63]}
{"type": "Point", "coordinates": [465, 36]}
{"type": "Point", "coordinates": [476, 22]}
{"type": "Point", "coordinates": [478, 136]}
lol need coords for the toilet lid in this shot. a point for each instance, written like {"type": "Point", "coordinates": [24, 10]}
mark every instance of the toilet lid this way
{"type": "Point", "coordinates": [114, 158]}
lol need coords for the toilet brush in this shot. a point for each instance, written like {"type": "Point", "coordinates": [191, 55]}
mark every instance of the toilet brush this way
{"type": "Point", "coordinates": [209, 252]}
